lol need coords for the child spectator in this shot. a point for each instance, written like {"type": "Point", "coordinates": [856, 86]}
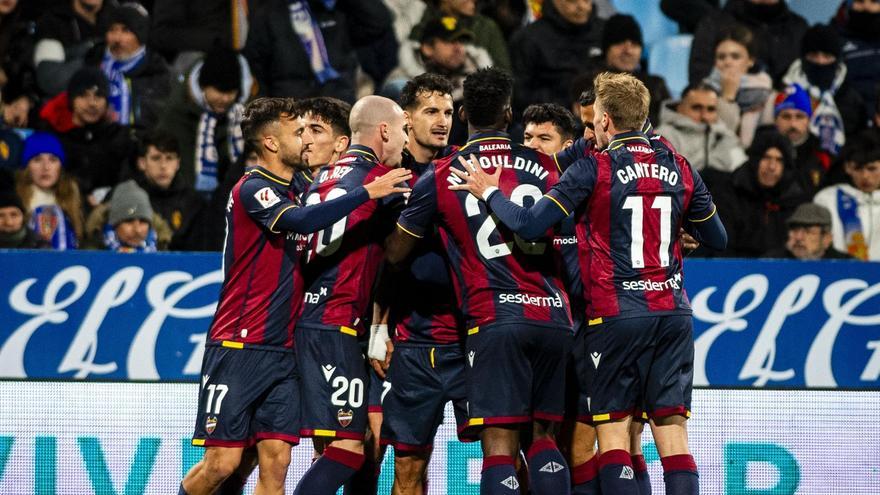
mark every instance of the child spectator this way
{"type": "Point", "coordinates": [127, 223]}
{"type": "Point", "coordinates": [14, 233]}
{"type": "Point", "coordinates": [179, 205]}
{"type": "Point", "coordinates": [50, 196]}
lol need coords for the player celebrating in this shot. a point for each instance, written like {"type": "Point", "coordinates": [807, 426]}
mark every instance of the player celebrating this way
{"type": "Point", "coordinates": [326, 135]}
{"type": "Point", "coordinates": [513, 301]}
{"type": "Point", "coordinates": [634, 198]}
{"type": "Point", "coordinates": [341, 267]}
{"type": "Point", "coordinates": [249, 390]}
{"type": "Point", "coordinates": [428, 367]}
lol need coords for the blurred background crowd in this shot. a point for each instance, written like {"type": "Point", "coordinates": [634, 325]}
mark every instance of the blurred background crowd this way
{"type": "Point", "coordinates": [120, 120]}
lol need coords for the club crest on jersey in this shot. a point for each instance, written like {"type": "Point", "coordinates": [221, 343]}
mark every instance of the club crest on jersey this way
{"type": "Point", "coordinates": [267, 197]}
{"type": "Point", "coordinates": [344, 417]}
{"type": "Point", "coordinates": [211, 424]}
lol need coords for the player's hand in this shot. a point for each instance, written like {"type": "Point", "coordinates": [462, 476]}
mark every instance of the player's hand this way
{"type": "Point", "coordinates": [688, 243]}
{"type": "Point", "coordinates": [380, 367]}
{"type": "Point", "coordinates": [389, 183]}
{"type": "Point", "coordinates": [476, 181]}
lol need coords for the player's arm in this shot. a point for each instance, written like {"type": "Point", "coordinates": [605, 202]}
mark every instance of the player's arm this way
{"type": "Point", "coordinates": [702, 220]}
{"type": "Point", "coordinates": [414, 222]}
{"type": "Point", "coordinates": [380, 346]}
{"type": "Point", "coordinates": [573, 153]}
{"type": "Point", "coordinates": [531, 222]}
{"type": "Point", "coordinates": [279, 214]}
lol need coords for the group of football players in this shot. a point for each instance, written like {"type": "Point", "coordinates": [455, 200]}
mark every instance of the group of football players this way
{"type": "Point", "coordinates": [374, 273]}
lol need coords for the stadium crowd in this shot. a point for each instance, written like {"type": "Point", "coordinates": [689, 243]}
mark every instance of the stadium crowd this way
{"type": "Point", "coordinates": [120, 121]}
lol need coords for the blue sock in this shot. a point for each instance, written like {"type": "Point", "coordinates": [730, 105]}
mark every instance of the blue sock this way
{"type": "Point", "coordinates": [499, 476]}
{"type": "Point", "coordinates": [181, 491]}
{"type": "Point", "coordinates": [547, 469]}
{"type": "Point", "coordinates": [329, 473]}
{"type": "Point", "coordinates": [616, 473]}
{"type": "Point", "coordinates": [680, 475]}
{"type": "Point", "coordinates": [642, 477]}
{"type": "Point", "coordinates": [585, 478]}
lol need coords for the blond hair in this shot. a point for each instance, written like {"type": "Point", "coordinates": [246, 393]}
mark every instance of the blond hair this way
{"type": "Point", "coordinates": [624, 98]}
{"type": "Point", "coordinates": [67, 196]}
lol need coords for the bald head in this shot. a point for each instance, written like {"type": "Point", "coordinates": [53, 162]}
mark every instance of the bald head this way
{"type": "Point", "coordinates": [370, 111]}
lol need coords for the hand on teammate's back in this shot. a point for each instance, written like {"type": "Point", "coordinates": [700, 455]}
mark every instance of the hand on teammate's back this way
{"type": "Point", "coordinates": [477, 181]}
{"type": "Point", "coordinates": [387, 184]}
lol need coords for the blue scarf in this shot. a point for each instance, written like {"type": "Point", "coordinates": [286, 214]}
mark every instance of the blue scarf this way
{"type": "Point", "coordinates": [312, 40]}
{"type": "Point", "coordinates": [207, 154]}
{"type": "Point", "coordinates": [52, 227]}
{"type": "Point", "coordinates": [848, 211]}
{"type": "Point", "coordinates": [120, 92]}
{"type": "Point", "coordinates": [113, 244]}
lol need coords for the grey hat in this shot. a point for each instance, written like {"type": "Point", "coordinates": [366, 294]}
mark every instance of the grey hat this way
{"type": "Point", "coordinates": [129, 202]}
{"type": "Point", "coordinates": [810, 214]}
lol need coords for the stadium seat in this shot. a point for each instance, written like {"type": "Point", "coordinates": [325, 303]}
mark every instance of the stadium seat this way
{"type": "Point", "coordinates": [669, 59]}
{"type": "Point", "coordinates": [655, 25]}
{"type": "Point", "coordinates": [815, 11]}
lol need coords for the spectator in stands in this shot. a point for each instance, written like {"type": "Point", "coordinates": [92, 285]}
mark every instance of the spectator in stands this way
{"type": "Point", "coordinates": [127, 224]}
{"type": "Point", "coordinates": [693, 127]}
{"type": "Point", "coordinates": [14, 233]}
{"type": "Point", "coordinates": [49, 195]}
{"type": "Point", "coordinates": [204, 112]}
{"type": "Point", "coordinates": [18, 103]}
{"type": "Point", "coordinates": [99, 151]}
{"type": "Point", "coordinates": [622, 52]}
{"type": "Point", "coordinates": [688, 13]}
{"type": "Point", "coordinates": [777, 32]}
{"type": "Point", "coordinates": [838, 109]}
{"type": "Point", "coordinates": [547, 54]}
{"type": "Point", "coordinates": [16, 40]}
{"type": "Point", "coordinates": [10, 148]}
{"type": "Point", "coordinates": [809, 236]}
{"type": "Point", "coordinates": [191, 28]}
{"type": "Point", "coordinates": [65, 34]}
{"type": "Point", "coordinates": [306, 48]}
{"type": "Point", "coordinates": [138, 76]}
{"type": "Point", "coordinates": [860, 28]}
{"type": "Point", "coordinates": [445, 48]}
{"type": "Point", "coordinates": [792, 111]}
{"type": "Point", "coordinates": [760, 197]}
{"type": "Point", "coordinates": [743, 87]}
{"type": "Point", "coordinates": [855, 207]}
{"type": "Point", "coordinates": [179, 205]}
{"type": "Point", "coordinates": [487, 34]}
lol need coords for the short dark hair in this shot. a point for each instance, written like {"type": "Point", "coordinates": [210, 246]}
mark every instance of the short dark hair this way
{"type": "Point", "coordinates": [331, 110]}
{"type": "Point", "coordinates": [160, 139]}
{"type": "Point", "coordinates": [740, 34]}
{"type": "Point", "coordinates": [487, 94]}
{"type": "Point", "coordinates": [421, 84]}
{"type": "Point", "coordinates": [698, 86]}
{"type": "Point", "coordinates": [554, 113]}
{"type": "Point", "coordinates": [263, 111]}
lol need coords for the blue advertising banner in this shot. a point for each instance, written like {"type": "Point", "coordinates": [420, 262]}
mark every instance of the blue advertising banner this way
{"type": "Point", "coordinates": [93, 315]}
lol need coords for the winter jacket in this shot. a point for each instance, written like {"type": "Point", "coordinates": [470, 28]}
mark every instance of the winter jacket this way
{"type": "Point", "coordinates": [755, 217]}
{"type": "Point", "coordinates": [785, 254]}
{"type": "Point", "coordinates": [868, 211]}
{"type": "Point", "coordinates": [76, 37]}
{"type": "Point", "coordinates": [862, 59]}
{"type": "Point", "coordinates": [182, 208]}
{"type": "Point", "coordinates": [547, 55]}
{"type": "Point", "coordinates": [486, 32]}
{"type": "Point", "coordinates": [99, 155]}
{"type": "Point", "coordinates": [412, 63]}
{"type": "Point", "coordinates": [811, 164]}
{"type": "Point", "coordinates": [150, 84]}
{"type": "Point", "coordinates": [280, 63]}
{"type": "Point", "coordinates": [712, 145]}
{"type": "Point", "coordinates": [193, 25]}
{"type": "Point", "coordinates": [23, 239]}
{"type": "Point", "coordinates": [778, 38]}
{"type": "Point", "coordinates": [94, 236]}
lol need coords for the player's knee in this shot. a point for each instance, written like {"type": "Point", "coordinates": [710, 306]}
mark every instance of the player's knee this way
{"type": "Point", "coordinates": [220, 465]}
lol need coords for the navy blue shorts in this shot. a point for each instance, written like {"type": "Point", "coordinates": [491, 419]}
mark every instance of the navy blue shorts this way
{"type": "Point", "coordinates": [334, 379]}
{"type": "Point", "coordinates": [378, 388]}
{"type": "Point", "coordinates": [642, 365]}
{"type": "Point", "coordinates": [247, 395]}
{"type": "Point", "coordinates": [578, 376]}
{"type": "Point", "coordinates": [422, 380]}
{"type": "Point", "coordinates": [516, 373]}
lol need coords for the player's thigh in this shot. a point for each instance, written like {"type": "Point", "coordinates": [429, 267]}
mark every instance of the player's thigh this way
{"type": "Point", "coordinates": [499, 376]}
{"type": "Point", "coordinates": [548, 350]}
{"type": "Point", "coordinates": [277, 415]}
{"type": "Point", "coordinates": [415, 400]}
{"type": "Point", "coordinates": [669, 380]}
{"type": "Point", "coordinates": [333, 382]}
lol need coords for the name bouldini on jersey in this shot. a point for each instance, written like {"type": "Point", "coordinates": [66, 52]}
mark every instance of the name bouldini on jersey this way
{"type": "Point", "coordinates": [647, 170]}
{"type": "Point", "coordinates": [503, 161]}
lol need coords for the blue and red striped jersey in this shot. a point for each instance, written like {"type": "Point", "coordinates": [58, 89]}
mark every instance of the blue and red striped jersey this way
{"type": "Point", "coordinates": [497, 275]}
{"type": "Point", "coordinates": [635, 196]}
{"type": "Point", "coordinates": [342, 261]}
{"type": "Point", "coordinates": [424, 309]}
{"type": "Point", "coordinates": [262, 289]}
